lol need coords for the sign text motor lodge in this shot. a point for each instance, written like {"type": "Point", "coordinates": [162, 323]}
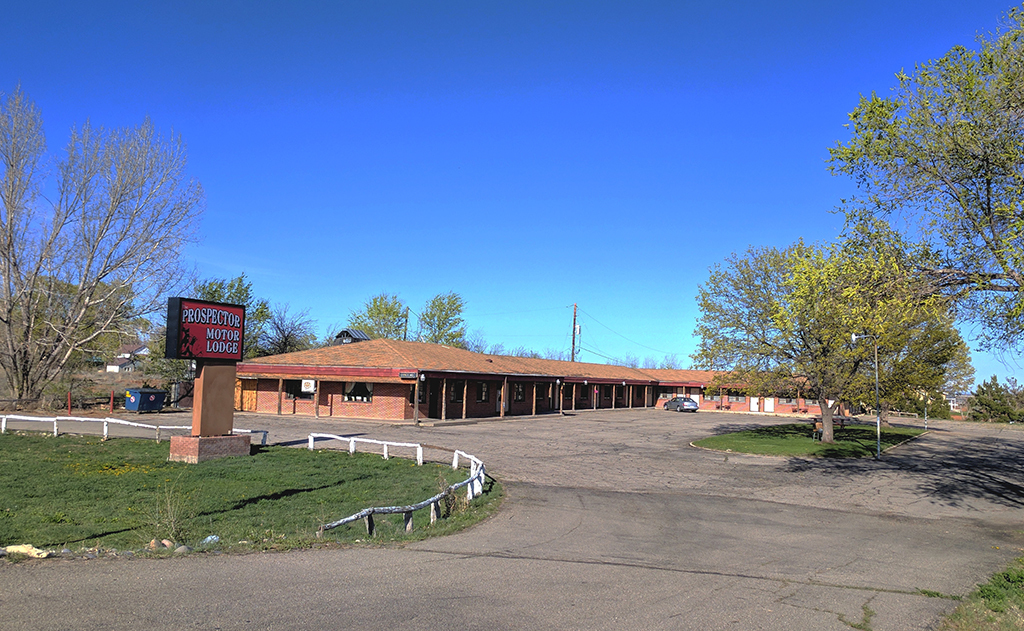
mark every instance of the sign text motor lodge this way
{"type": "Point", "coordinates": [197, 329]}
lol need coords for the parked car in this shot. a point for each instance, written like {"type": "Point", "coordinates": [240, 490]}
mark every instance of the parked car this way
{"type": "Point", "coordinates": [682, 404]}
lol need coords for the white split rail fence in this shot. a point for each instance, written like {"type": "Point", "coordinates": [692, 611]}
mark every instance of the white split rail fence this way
{"type": "Point", "coordinates": [474, 484]}
{"type": "Point", "coordinates": [107, 422]}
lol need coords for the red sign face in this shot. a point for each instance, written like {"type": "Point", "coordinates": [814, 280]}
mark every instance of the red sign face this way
{"type": "Point", "coordinates": [197, 329]}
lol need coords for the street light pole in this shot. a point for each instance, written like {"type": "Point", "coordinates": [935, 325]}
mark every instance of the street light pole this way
{"type": "Point", "coordinates": [878, 411]}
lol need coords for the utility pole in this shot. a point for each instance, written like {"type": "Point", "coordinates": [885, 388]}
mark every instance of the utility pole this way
{"type": "Point", "coordinates": [572, 353]}
{"type": "Point", "coordinates": [405, 336]}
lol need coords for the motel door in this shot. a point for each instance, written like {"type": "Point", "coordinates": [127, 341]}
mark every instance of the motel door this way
{"type": "Point", "coordinates": [753, 404]}
{"type": "Point", "coordinates": [432, 409]}
{"type": "Point", "coordinates": [248, 395]}
{"type": "Point", "coordinates": [769, 404]}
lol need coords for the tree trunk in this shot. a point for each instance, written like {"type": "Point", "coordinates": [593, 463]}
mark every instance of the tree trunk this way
{"type": "Point", "coordinates": [827, 435]}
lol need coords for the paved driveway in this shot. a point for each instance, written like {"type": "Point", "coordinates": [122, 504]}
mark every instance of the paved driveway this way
{"type": "Point", "coordinates": [612, 521]}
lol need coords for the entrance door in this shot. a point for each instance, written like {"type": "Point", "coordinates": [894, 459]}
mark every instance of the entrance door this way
{"type": "Point", "coordinates": [769, 404]}
{"type": "Point", "coordinates": [753, 404]}
{"type": "Point", "coordinates": [434, 388]}
{"type": "Point", "coordinates": [248, 395]}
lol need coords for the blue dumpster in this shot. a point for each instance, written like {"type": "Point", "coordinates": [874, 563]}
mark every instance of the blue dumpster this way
{"type": "Point", "coordinates": [144, 400]}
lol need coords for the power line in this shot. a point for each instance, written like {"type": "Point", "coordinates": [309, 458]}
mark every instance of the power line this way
{"type": "Point", "coordinates": [481, 315]}
{"type": "Point", "coordinates": [624, 337]}
{"type": "Point", "coordinates": [593, 352]}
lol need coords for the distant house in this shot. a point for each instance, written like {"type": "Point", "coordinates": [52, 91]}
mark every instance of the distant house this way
{"type": "Point", "coordinates": [127, 359]}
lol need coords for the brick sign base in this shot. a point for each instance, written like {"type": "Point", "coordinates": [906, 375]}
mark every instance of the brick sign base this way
{"type": "Point", "coordinates": [194, 449]}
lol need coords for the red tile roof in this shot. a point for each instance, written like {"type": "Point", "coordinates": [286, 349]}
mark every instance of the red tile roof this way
{"type": "Point", "coordinates": [389, 357]}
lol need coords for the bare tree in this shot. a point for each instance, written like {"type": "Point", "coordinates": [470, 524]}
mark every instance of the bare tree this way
{"type": "Point", "coordinates": [476, 341]}
{"type": "Point", "coordinates": [105, 250]}
{"type": "Point", "coordinates": [560, 354]}
{"type": "Point", "coordinates": [288, 332]}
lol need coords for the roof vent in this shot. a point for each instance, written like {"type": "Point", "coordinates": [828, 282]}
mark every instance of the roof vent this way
{"type": "Point", "coordinates": [349, 336]}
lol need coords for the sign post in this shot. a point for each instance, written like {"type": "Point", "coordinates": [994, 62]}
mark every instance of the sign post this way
{"type": "Point", "coordinates": [210, 334]}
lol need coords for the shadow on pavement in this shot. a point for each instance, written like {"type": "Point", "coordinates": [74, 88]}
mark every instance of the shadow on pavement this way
{"type": "Point", "coordinates": [950, 471]}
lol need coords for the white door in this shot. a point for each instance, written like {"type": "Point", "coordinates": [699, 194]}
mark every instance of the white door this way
{"type": "Point", "coordinates": [769, 404]}
{"type": "Point", "coordinates": [753, 404]}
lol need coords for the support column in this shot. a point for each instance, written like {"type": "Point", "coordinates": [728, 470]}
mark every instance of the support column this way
{"type": "Point", "coordinates": [316, 398]}
{"type": "Point", "coordinates": [444, 399]}
{"type": "Point", "coordinates": [213, 412]}
{"type": "Point", "coordinates": [465, 391]}
{"type": "Point", "coordinates": [561, 401]}
{"type": "Point", "coordinates": [573, 397]}
{"type": "Point", "coordinates": [534, 398]}
{"type": "Point", "coordinates": [597, 393]}
{"type": "Point", "coordinates": [280, 390]}
{"type": "Point", "coordinates": [504, 396]}
{"type": "Point", "coordinates": [416, 401]}
{"type": "Point", "coordinates": [630, 397]}
{"type": "Point", "coordinates": [213, 398]}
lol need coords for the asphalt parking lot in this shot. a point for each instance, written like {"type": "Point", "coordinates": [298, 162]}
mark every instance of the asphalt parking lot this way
{"type": "Point", "coordinates": [612, 521]}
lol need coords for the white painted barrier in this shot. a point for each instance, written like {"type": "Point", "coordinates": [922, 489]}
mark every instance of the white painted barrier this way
{"type": "Point", "coordinates": [474, 484]}
{"type": "Point", "coordinates": [352, 440]}
{"type": "Point", "coordinates": [106, 424]}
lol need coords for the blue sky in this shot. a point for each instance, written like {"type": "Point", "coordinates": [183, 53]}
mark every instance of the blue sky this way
{"type": "Point", "coordinates": [526, 155]}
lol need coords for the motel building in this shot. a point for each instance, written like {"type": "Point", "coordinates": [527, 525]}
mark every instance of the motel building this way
{"type": "Point", "coordinates": [394, 380]}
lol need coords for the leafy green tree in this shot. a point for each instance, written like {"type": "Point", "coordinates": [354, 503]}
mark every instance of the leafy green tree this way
{"type": "Point", "coordinates": [933, 402]}
{"type": "Point", "coordinates": [441, 321]}
{"type": "Point", "coordinates": [993, 402]}
{"type": "Point", "coordinates": [775, 318]}
{"type": "Point", "coordinates": [946, 150]}
{"type": "Point", "coordinates": [100, 250]}
{"type": "Point", "coordinates": [238, 291]}
{"type": "Point", "coordinates": [382, 316]}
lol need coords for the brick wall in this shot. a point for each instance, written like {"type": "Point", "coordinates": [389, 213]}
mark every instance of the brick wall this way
{"type": "Point", "coordinates": [390, 401]}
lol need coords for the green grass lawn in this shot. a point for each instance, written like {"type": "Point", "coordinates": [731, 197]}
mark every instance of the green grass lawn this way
{"type": "Point", "coordinates": [996, 605]}
{"type": "Point", "coordinates": [81, 492]}
{"type": "Point", "coordinates": [855, 441]}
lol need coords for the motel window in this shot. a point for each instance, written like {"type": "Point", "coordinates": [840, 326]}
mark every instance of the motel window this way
{"type": "Point", "coordinates": [483, 394]}
{"type": "Point", "coordinates": [737, 398]}
{"type": "Point", "coordinates": [293, 390]}
{"type": "Point", "coordinates": [542, 391]}
{"type": "Point", "coordinates": [607, 392]}
{"type": "Point", "coordinates": [584, 392]}
{"type": "Point", "coordinates": [358, 391]}
{"type": "Point", "coordinates": [712, 395]}
{"type": "Point", "coordinates": [518, 392]}
{"type": "Point", "coordinates": [787, 400]}
{"type": "Point", "coordinates": [620, 392]}
{"type": "Point", "coordinates": [456, 395]}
